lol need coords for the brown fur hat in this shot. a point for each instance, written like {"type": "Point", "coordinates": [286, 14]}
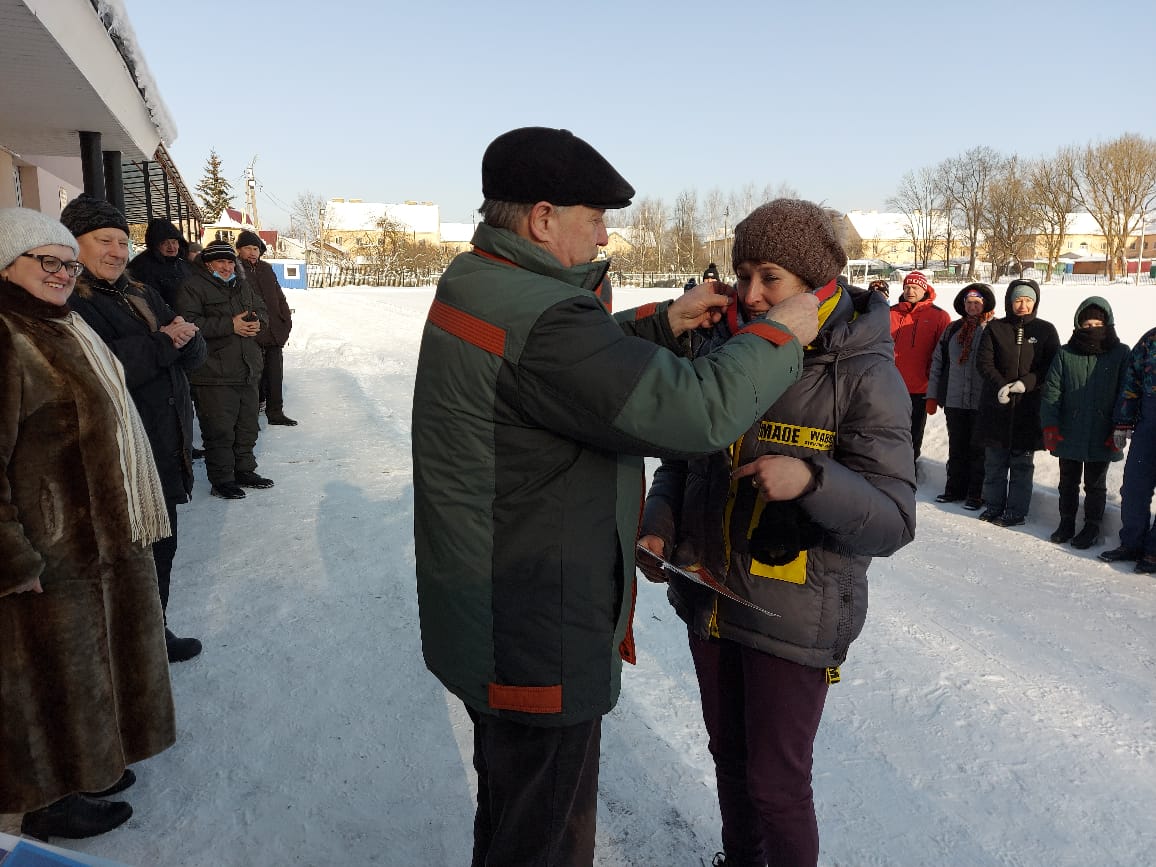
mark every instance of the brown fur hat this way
{"type": "Point", "coordinates": [794, 234]}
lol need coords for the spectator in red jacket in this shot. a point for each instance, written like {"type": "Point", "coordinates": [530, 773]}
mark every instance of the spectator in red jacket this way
{"type": "Point", "coordinates": [916, 326]}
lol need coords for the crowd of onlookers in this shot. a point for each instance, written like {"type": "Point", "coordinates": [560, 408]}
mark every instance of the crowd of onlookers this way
{"type": "Point", "coordinates": [103, 361]}
{"type": "Point", "coordinates": [1008, 389]}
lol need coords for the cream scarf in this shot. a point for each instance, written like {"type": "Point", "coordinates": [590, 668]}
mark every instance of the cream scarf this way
{"type": "Point", "coordinates": [142, 486]}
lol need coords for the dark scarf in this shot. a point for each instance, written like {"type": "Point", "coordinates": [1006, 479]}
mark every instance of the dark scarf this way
{"type": "Point", "coordinates": [1093, 341]}
{"type": "Point", "coordinates": [124, 292]}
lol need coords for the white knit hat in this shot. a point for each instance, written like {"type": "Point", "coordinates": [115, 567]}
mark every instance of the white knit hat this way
{"type": "Point", "coordinates": [22, 229]}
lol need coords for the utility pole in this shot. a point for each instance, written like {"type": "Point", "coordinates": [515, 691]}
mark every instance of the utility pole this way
{"type": "Point", "coordinates": [251, 195]}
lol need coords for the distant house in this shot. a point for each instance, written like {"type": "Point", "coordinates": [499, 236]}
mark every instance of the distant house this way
{"type": "Point", "coordinates": [355, 227]}
{"type": "Point", "coordinates": [231, 223]}
{"type": "Point", "coordinates": [457, 237]}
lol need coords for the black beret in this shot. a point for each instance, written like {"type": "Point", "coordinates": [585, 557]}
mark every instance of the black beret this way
{"type": "Point", "coordinates": [540, 164]}
{"type": "Point", "coordinates": [86, 214]}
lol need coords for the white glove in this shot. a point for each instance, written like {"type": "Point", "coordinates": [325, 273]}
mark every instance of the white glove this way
{"type": "Point", "coordinates": [1016, 387]}
{"type": "Point", "coordinates": [1002, 394]}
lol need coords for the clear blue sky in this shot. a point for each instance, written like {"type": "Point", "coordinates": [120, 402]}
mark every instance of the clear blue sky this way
{"type": "Point", "coordinates": [392, 101]}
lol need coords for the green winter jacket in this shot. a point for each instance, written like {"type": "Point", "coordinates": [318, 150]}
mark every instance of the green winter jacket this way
{"type": "Point", "coordinates": [211, 304]}
{"type": "Point", "coordinates": [533, 407]}
{"type": "Point", "coordinates": [1079, 394]}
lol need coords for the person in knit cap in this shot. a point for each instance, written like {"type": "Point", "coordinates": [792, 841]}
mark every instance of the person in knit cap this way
{"type": "Point", "coordinates": [272, 340]}
{"type": "Point", "coordinates": [84, 683]}
{"type": "Point", "coordinates": [163, 264]}
{"type": "Point", "coordinates": [157, 349]}
{"type": "Point", "coordinates": [711, 273]}
{"type": "Point", "coordinates": [916, 327]}
{"type": "Point", "coordinates": [1014, 356]}
{"type": "Point", "coordinates": [231, 313]}
{"type": "Point", "coordinates": [954, 383]}
{"type": "Point", "coordinates": [532, 408]}
{"type": "Point", "coordinates": [820, 484]}
{"type": "Point", "coordinates": [1076, 403]}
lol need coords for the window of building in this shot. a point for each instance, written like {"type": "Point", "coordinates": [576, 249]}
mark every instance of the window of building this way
{"type": "Point", "coordinates": [292, 272]}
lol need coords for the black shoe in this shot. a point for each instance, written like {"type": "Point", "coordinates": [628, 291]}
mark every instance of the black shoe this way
{"type": "Point", "coordinates": [249, 479]}
{"type": "Point", "coordinates": [75, 817]}
{"type": "Point", "coordinates": [948, 498]}
{"type": "Point", "coordinates": [973, 504]}
{"type": "Point", "coordinates": [1087, 537]}
{"type": "Point", "coordinates": [1120, 555]}
{"type": "Point", "coordinates": [227, 491]}
{"type": "Point", "coordinates": [181, 649]}
{"type": "Point", "coordinates": [278, 417]}
{"type": "Point", "coordinates": [126, 780]}
{"type": "Point", "coordinates": [1009, 519]}
{"type": "Point", "coordinates": [198, 454]}
{"type": "Point", "coordinates": [1064, 532]}
{"type": "Point", "coordinates": [1146, 565]}
{"type": "Point", "coordinates": [989, 514]}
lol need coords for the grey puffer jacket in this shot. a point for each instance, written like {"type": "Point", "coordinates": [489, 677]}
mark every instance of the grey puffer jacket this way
{"type": "Point", "coordinates": [951, 384]}
{"type": "Point", "coordinates": [849, 417]}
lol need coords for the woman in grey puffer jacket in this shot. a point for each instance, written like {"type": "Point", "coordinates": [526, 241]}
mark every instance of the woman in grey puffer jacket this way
{"type": "Point", "coordinates": [788, 518]}
{"type": "Point", "coordinates": [955, 384]}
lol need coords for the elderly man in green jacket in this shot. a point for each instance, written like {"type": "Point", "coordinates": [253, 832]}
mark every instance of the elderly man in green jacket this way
{"type": "Point", "coordinates": [533, 409]}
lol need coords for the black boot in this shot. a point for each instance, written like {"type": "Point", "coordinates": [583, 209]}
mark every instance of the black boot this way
{"type": "Point", "coordinates": [181, 649]}
{"type": "Point", "coordinates": [75, 817]}
{"type": "Point", "coordinates": [1087, 537]}
{"type": "Point", "coordinates": [276, 416]}
{"type": "Point", "coordinates": [1065, 531]}
{"type": "Point", "coordinates": [126, 780]}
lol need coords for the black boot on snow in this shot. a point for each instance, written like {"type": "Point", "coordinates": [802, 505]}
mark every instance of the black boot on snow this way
{"type": "Point", "coordinates": [1087, 537]}
{"type": "Point", "coordinates": [1065, 531]}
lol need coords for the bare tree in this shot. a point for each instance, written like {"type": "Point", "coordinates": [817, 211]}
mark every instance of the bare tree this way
{"type": "Point", "coordinates": [684, 233]}
{"type": "Point", "coordinates": [1052, 198]}
{"type": "Point", "coordinates": [1116, 182]}
{"type": "Point", "coordinates": [1008, 222]}
{"type": "Point", "coordinates": [390, 249]}
{"type": "Point", "coordinates": [713, 211]}
{"type": "Point", "coordinates": [918, 202]}
{"type": "Point", "coordinates": [306, 220]}
{"type": "Point", "coordinates": [964, 185]}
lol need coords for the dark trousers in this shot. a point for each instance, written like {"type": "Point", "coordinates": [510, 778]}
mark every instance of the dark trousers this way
{"type": "Point", "coordinates": [1007, 479]}
{"type": "Point", "coordinates": [762, 714]}
{"type": "Point", "coordinates": [1095, 475]}
{"type": "Point", "coordinates": [918, 422]}
{"type": "Point", "coordinates": [273, 379]}
{"type": "Point", "coordinates": [163, 553]}
{"type": "Point", "coordinates": [964, 454]}
{"type": "Point", "coordinates": [1136, 528]}
{"type": "Point", "coordinates": [537, 793]}
{"type": "Point", "coordinates": [229, 429]}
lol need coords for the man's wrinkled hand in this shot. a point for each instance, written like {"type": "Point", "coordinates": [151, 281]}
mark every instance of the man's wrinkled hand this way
{"type": "Point", "coordinates": [698, 307]}
{"type": "Point", "coordinates": [799, 313]}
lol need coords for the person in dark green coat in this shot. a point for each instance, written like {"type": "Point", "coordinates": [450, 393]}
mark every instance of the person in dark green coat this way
{"type": "Point", "coordinates": [1077, 398]}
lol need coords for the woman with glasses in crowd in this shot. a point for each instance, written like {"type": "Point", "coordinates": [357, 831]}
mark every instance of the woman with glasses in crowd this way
{"type": "Point", "coordinates": [84, 681]}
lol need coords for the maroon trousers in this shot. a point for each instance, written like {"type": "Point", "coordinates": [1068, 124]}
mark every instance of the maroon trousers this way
{"type": "Point", "coordinates": [762, 714]}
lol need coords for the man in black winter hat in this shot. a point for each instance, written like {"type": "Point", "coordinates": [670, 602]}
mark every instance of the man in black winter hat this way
{"type": "Point", "coordinates": [162, 265]}
{"type": "Point", "coordinates": [533, 406]}
{"type": "Point", "coordinates": [272, 340]}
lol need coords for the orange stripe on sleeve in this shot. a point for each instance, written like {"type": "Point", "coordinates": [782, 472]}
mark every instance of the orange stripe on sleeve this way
{"type": "Point", "coordinates": [469, 328]}
{"type": "Point", "coordinates": [527, 699]}
{"type": "Point", "coordinates": [768, 331]}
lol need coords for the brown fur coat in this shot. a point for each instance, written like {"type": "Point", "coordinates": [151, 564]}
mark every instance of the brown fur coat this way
{"type": "Point", "coordinates": [84, 679]}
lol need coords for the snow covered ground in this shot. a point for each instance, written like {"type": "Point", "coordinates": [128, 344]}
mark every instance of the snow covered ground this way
{"type": "Point", "coordinates": [997, 710]}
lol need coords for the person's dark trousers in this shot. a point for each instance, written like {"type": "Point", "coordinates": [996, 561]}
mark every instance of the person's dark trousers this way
{"type": "Point", "coordinates": [537, 792]}
{"type": "Point", "coordinates": [762, 714]}
{"type": "Point", "coordinates": [1007, 479]}
{"type": "Point", "coordinates": [1136, 528]}
{"type": "Point", "coordinates": [918, 422]}
{"type": "Point", "coordinates": [964, 454]}
{"type": "Point", "coordinates": [1095, 475]}
{"type": "Point", "coordinates": [163, 553]}
{"type": "Point", "coordinates": [273, 379]}
{"type": "Point", "coordinates": [229, 429]}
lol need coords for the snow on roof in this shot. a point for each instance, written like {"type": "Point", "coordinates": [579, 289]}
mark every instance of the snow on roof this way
{"type": "Point", "coordinates": [115, 17]}
{"type": "Point", "coordinates": [364, 216]}
{"type": "Point", "coordinates": [457, 233]}
{"type": "Point", "coordinates": [884, 224]}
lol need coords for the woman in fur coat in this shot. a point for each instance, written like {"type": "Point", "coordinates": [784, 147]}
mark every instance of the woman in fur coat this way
{"type": "Point", "coordinates": [84, 680]}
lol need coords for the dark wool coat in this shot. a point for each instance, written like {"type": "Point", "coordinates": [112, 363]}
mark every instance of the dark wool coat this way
{"type": "Point", "coordinates": [127, 315]}
{"type": "Point", "coordinates": [532, 408]}
{"type": "Point", "coordinates": [848, 416]}
{"type": "Point", "coordinates": [162, 274]}
{"type": "Point", "coordinates": [261, 275]}
{"type": "Point", "coordinates": [1079, 394]}
{"type": "Point", "coordinates": [84, 676]}
{"type": "Point", "coordinates": [1014, 348]}
{"type": "Point", "coordinates": [916, 329]}
{"type": "Point", "coordinates": [211, 304]}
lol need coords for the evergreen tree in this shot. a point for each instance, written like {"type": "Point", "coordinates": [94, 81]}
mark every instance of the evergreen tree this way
{"type": "Point", "coordinates": [214, 189]}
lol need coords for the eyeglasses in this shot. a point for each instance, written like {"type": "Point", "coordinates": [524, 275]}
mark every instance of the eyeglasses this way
{"type": "Point", "coordinates": [52, 264]}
